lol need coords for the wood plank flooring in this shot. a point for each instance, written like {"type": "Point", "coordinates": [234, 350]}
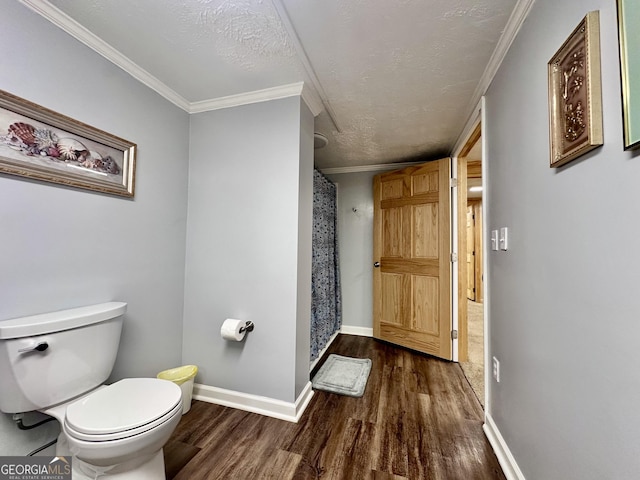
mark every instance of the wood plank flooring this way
{"type": "Point", "coordinates": [418, 419]}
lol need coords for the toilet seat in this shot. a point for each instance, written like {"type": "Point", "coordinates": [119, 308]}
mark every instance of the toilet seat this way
{"type": "Point", "coordinates": [124, 409]}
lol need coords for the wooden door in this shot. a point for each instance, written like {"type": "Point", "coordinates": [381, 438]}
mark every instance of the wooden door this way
{"type": "Point", "coordinates": [412, 243]}
{"type": "Point", "coordinates": [478, 226]}
{"type": "Point", "coordinates": [471, 270]}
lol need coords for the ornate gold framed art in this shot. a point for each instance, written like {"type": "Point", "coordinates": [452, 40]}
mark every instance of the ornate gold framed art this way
{"type": "Point", "coordinates": [575, 94]}
{"type": "Point", "coordinates": [41, 144]}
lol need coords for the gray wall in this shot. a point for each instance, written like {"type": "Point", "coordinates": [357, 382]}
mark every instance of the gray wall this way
{"type": "Point", "coordinates": [355, 243]}
{"type": "Point", "coordinates": [305, 234]}
{"type": "Point", "coordinates": [64, 247]}
{"type": "Point", "coordinates": [243, 245]}
{"type": "Point", "coordinates": [563, 300]}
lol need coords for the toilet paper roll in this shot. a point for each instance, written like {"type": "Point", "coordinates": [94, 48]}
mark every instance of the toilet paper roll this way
{"type": "Point", "coordinates": [230, 330]}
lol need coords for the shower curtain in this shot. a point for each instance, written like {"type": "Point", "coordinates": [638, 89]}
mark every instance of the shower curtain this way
{"type": "Point", "coordinates": [326, 302]}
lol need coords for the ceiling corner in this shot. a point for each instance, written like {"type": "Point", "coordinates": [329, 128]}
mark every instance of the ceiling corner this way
{"type": "Point", "coordinates": [312, 99]}
{"type": "Point", "coordinates": [511, 29]}
{"type": "Point", "coordinates": [80, 33]}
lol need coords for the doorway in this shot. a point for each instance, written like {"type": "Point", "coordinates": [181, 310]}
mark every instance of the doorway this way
{"type": "Point", "coordinates": [473, 282]}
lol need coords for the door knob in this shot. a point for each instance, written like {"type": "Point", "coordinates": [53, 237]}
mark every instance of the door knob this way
{"type": "Point", "coordinates": [376, 264]}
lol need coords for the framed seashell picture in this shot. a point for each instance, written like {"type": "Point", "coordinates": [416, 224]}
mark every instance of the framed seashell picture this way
{"type": "Point", "coordinates": [40, 144]}
{"type": "Point", "coordinates": [575, 93]}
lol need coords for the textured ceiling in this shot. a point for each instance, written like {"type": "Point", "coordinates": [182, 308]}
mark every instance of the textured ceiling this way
{"type": "Point", "coordinates": [397, 76]}
{"type": "Point", "coordinates": [202, 49]}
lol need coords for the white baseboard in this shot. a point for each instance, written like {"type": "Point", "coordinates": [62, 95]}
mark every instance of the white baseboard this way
{"type": "Point", "coordinates": [505, 458]}
{"type": "Point", "coordinates": [270, 407]}
{"type": "Point", "coordinates": [353, 330]}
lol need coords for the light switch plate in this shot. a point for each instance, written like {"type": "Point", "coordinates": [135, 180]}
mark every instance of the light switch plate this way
{"type": "Point", "coordinates": [503, 240]}
{"type": "Point", "coordinates": [494, 240]}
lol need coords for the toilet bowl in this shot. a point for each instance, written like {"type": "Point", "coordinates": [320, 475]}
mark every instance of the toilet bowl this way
{"type": "Point", "coordinates": [57, 363]}
{"type": "Point", "coordinates": [118, 430]}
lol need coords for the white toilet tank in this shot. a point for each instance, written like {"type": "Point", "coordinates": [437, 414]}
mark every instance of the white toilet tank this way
{"type": "Point", "coordinates": [50, 358]}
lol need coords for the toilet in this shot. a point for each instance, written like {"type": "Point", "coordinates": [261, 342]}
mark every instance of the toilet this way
{"type": "Point", "coordinates": [57, 363]}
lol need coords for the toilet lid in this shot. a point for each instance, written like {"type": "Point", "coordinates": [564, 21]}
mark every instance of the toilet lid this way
{"type": "Point", "coordinates": [124, 405]}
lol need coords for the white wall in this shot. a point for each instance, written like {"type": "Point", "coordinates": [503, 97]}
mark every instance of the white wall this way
{"type": "Point", "coordinates": [243, 245]}
{"type": "Point", "coordinates": [355, 244]}
{"type": "Point", "coordinates": [563, 299]}
{"type": "Point", "coordinates": [63, 247]}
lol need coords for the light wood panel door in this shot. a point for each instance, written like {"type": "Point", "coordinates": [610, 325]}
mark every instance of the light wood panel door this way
{"type": "Point", "coordinates": [471, 264]}
{"type": "Point", "coordinates": [477, 248]}
{"type": "Point", "coordinates": [412, 245]}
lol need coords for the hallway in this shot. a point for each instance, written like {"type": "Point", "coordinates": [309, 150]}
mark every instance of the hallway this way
{"type": "Point", "coordinates": [474, 367]}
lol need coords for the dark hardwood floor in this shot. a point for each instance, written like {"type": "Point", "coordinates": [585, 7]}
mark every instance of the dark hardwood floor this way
{"type": "Point", "coordinates": [418, 419]}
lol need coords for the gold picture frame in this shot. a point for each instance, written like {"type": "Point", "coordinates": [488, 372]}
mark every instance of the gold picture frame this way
{"type": "Point", "coordinates": [629, 40]}
{"type": "Point", "coordinates": [40, 144]}
{"type": "Point", "coordinates": [575, 94]}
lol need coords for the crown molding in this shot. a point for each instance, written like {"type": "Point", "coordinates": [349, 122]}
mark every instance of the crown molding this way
{"type": "Point", "coordinates": [80, 33]}
{"type": "Point", "coordinates": [314, 95]}
{"type": "Point", "coordinates": [304, 59]}
{"type": "Point", "coordinates": [514, 24]}
{"type": "Point", "coordinates": [274, 93]}
{"type": "Point", "coordinates": [312, 99]}
{"type": "Point", "coordinates": [60, 19]}
{"type": "Point", "coordinates": [369, 168]}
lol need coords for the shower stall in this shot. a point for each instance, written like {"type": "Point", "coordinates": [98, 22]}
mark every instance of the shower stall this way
{"type": "Point", "coordinates": [326, 302]}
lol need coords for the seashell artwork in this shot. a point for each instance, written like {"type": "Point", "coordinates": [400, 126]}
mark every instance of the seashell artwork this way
{"type": "Point", "coordinates": [45, 139]}
{"type": "Point", "coordinates": [38, 143]}
{"type": "Point", "coordinates": [110, 166]}
{"type": "Point", "coordinates": [95, 155]}
{"type": "Point", "coordinates": [32, 140]}
{"type": "Point", "coordinates": [71, 149]}
{"type": "Point", "coordinates": [23, 132]}
{"type": "Point", "coordinates": [95, 161]}
{"type": "Point", "coordinates": [44, 142]}
{"type": "Point", "coordinates": [52, 152]}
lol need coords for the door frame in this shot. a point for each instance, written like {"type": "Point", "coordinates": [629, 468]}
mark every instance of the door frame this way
{"type": "Point", "coordinates": [459, 249]}
{"type": "Point", "coordinates": [459, 209]}
{"type": "Point", "coordinates": [478, 117]}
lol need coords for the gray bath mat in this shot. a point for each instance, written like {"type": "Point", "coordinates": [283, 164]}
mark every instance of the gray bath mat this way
{"type": "Point", "coordinates": [343, 375]}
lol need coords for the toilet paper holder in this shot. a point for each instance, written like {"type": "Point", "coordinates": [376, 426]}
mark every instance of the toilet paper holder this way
{"type": "Point", "coordinates": [248, 327]}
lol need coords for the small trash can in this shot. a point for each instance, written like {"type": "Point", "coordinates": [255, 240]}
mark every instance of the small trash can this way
{"type": "Point", "coordinates": [182, 376]}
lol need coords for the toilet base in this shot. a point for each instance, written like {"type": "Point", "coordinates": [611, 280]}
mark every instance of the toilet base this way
{"type": "Point", "coordinates": [150, 468]}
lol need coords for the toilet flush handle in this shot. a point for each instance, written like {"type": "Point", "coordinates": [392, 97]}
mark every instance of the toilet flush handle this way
{"type": "Point", "coordinates": [38, 347]}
